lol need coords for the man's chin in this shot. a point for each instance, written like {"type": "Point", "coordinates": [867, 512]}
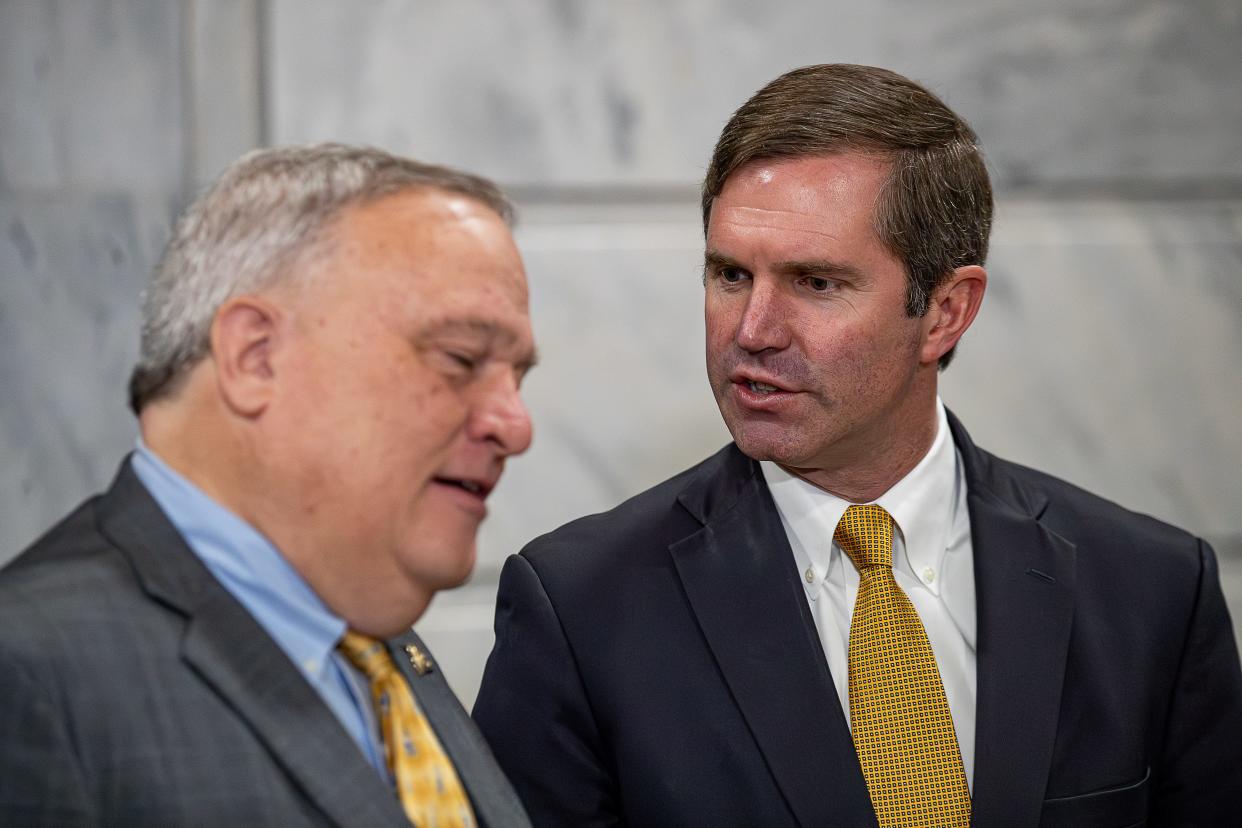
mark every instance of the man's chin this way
{"type": "Point", "coordinates": [459, 566]}
{"type": "Point", "coordinates": [440, 567]}
{"type": "Point", "coordinates": [763, 442]}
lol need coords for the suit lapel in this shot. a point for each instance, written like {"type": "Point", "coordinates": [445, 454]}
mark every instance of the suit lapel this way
{"type": "Point", "coordinates": [494, 801]}
{"type": "Point", "coordinates": [233, 655]}
{"type": "Point", "coordinates": [1024, 588]}
{"type": "Point", "coordinates": [741, 582]}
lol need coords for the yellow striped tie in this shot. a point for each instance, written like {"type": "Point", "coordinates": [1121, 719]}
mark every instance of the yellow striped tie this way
{"type": "Point", "coordinates": [427, 783]}
{"type": "Point", "coordinates": [903, 731]}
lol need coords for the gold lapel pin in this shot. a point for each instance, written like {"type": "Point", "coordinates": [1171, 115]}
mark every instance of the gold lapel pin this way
{"type": "Point", "coordinates": [419, 660]}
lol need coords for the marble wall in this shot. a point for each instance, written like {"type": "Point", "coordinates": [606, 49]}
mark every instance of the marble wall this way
{"type": "Point", "coordinates": [1107, 351]}
{"type": "Point", "coordinates": [92, 137]}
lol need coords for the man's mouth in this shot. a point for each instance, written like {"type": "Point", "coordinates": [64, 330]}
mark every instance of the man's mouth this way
{"type": "Point", "coordinates": [474, 487]}
{"type": "Point", "coordinates": [760, 393]}
{"type": "Point", "coordinates": [761, 387]}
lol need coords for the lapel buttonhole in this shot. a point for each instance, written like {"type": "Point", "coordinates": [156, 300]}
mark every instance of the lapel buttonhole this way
{"type": "Point", "coordinates": [1043, 576]}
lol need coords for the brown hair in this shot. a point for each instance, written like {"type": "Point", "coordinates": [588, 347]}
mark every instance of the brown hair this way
{"type": "Point", "coordinates": [248, 231]}
{"type": "Point", "coordinates": [935, 209]}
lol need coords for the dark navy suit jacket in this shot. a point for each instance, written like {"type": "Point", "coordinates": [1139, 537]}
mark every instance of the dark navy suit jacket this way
{"type": "Point", "coordinates": [657, 665]}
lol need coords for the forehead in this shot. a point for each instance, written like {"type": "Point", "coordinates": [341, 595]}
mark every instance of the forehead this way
{"type": "Point", "coordinates": [419, 218]}
{"type": "Point", "coordinates": [813, 194]}
{"type": "Point", "coordinates": [435, 242]}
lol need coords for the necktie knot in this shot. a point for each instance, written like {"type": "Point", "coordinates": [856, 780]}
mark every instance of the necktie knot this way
{"type": "Point", "coordinates": [865, 534]}
{"type": "Point", "coordinates": [367, 654]}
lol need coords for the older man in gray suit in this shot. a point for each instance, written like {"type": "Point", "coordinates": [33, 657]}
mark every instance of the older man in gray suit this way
{"type": "Point", "coordinates": [328, 391]}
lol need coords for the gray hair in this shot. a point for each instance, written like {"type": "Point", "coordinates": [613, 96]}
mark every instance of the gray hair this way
{"type": "Point", "coordinates": [249, 229]}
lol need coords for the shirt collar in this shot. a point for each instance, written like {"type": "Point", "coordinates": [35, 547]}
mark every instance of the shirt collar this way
{"type": "Point", "coordinates": [810, 515]}
{"type": "Point", "coordinates": [246, 564]}
{"type": "Point", "coordinates": [921, 504]}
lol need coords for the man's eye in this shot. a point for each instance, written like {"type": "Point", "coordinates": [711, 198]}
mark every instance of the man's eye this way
{"type": "Point", "coordinates": [732, 275]}
{"type": "Point", "coordinates": [820, 285]}
{"type": "Point", "coordinates": [464, 361]}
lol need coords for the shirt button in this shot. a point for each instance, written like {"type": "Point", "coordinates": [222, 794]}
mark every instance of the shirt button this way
{"type": "Point", "coordinates": [810, 575]}
{"type": "Point", "coordinates": [929, 575]}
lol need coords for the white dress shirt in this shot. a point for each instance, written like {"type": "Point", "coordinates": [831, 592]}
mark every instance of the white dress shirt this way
{"type": "Point", "coordinates": [932, 563]}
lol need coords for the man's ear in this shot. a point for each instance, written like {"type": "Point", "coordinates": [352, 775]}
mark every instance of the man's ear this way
{"type": "Point", "coordinates": [953, 307]}
{"type": "Point", "coordinates": [244, 334]}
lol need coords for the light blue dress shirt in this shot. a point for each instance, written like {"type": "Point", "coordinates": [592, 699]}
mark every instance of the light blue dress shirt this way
{"type": "Point", "coordinates": [258, 576]}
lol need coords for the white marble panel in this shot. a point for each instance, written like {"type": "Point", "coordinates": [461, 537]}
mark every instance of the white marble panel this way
{"type": "Point", "coordinates": [1070, 93]}
{"type": "Point", "coordinates": [591, 93]}
{"type": "Point", "coordinates": [70, 274]}
{"type": "Point", "coordinates": [1108, 353]}
{"type": "Point", "coordinates": [224, 89]}
{"type": "Point", "coordinates": [90, 95]}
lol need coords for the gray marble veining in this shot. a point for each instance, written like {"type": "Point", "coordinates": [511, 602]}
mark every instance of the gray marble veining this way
{"type": "Point", "coordinates": [1063, 93]}
{"type": "Point", "coordinates": [1107, 351]}
{"type": "Point", "coordinates": [71, 271]}
{"type": "Point", "coordinates": [1111, 356]}
{"type": "Point", "coordinates": [90, 95]}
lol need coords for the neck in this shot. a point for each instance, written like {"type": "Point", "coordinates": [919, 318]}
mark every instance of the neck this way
{"type": "Point", "coordinates": [198, 448]}
{"type": "Point", "coordinates": [221, 455]}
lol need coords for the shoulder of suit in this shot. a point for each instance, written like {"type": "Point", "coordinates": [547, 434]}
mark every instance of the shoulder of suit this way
{"type": "Point", "coordinates": [68, 559]}
{"type": "Point", "coordinates": [57, 593]}
{"type": "Point", "coordinates": [1091, 521]}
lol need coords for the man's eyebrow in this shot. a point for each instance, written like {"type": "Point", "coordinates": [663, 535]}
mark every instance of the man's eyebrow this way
{"type": "Point", "coordinates": [713, 259]}
{"type": "Point", "coordinates": [468, 324]}
{"type": "Point", "coordinates": [819, 268]}
{"type": "Point", "coordinates": [495, 334]}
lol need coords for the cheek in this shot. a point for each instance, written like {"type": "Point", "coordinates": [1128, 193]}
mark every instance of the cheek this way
{"type": "Point", "coordinates": [444, 417]}
{"type": "Point", "coordinates": [720, 325]}
{"type": "Point", "coordinates": [428, 407]}
{"type": "Point", "coordinates": [884, 361]}
{"type": "Point", "coordinates": [394, 415]}
{"type": "Point", "coordinates": [848, 360]}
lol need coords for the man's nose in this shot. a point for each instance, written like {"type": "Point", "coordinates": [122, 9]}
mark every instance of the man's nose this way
{"type": "Point", "coordinates": [500, 418]}
{"type": "Point", "coordinates": [763, 324]}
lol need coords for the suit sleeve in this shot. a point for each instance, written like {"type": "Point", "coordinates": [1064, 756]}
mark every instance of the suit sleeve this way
{"type": "Point", "coordinates": [1199, 778]}
{"type": "Point", "coordinates": [41, 780]}
{"type": "Point", "coordinates": [533, 709]}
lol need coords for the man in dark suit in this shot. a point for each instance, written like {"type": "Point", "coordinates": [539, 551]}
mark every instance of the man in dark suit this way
{"type": "Point", "coordinates": [853, 615]}
{"type": "Point", "coordinates": [327, 391]}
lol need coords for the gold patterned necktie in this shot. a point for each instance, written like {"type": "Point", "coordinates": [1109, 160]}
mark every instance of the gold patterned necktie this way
{"type": "Point", "coordinates": [903, 731]}
{"type": "Point", "coordinates": [427, 783]}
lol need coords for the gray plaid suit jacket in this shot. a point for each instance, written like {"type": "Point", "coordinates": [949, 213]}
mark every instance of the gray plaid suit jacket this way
{"type": "Point", "coordinates": [136, 691]}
